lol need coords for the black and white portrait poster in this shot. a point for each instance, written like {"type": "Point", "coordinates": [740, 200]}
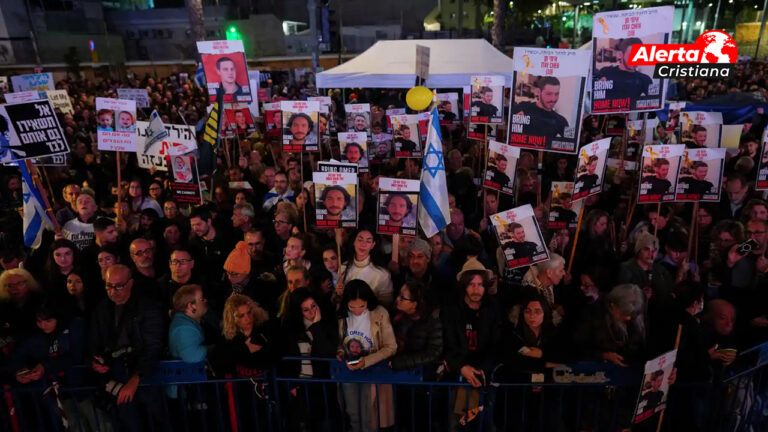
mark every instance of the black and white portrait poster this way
{"type": "Point", "coordinates": [655, 387]}
{"type": "Point", "coordinates": [658, 173]}
{"type": "Point", "coordinates": [591, 169]}
{"type": "Point", "coordinates": [335, 199]}
{"type": "Point", "coordinates": [406, 135]}
{"type": "Point", "coordinates": [30, 130]}
{"type": "Point", "coordinates": [300, 125]}
{"type": "Point", "coordinates": [354, 149]}
{"type": "Point", "coordinates": [563, 210]}
{"type": "Point", "coordinates": [358, 118]}
{"type": "Point", "coordinates": [616, 85]}
{"type": "Point", "coordinates": [398, 203]}
{"type": "Point", "coordinates": [487, 99]}
{"type": "Point", "coordinates": [520, 237]}
{"type": "Point", "coordinates": [701, 174]}
{"type": "Point", "coordinates": [501, 165]}
{"type": "Point", "coordinates": [548, 98]}
{"type": "Point", "coordinates": [700, 129]}
{"type": "Point", "coordinates": [225, 67]}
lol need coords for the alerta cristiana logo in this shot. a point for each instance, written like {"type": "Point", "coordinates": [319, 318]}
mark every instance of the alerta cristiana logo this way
{"type": "Point", "coordinates": [713, 55]}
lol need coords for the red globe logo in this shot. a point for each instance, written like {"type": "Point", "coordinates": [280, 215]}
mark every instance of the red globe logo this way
{"type": "Point", "coordinates": [717, 47]}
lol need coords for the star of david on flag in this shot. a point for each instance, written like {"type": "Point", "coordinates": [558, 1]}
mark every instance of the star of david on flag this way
{"type": "Point", "coordinates": [434, 212]}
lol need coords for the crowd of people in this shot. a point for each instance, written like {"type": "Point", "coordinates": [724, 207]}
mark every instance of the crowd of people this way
{"type": "Point", "coordinates": [246, 278]}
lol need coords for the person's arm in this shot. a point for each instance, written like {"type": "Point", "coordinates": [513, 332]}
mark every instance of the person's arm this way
{"type": "Point", "coordinates": [189, 344]}
{"type": "Point", "coordinates": [388, 346]}
{"type": "Point", "coordinates": [454, 352]}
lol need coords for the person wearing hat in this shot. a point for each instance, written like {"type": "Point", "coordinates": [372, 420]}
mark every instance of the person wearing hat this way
{"type": "Point", "coordinates": [638, 270]}
{"type": "Point", "coordinates": [419, 268]}
{"type": "Point", "coordinates": [238, 280]}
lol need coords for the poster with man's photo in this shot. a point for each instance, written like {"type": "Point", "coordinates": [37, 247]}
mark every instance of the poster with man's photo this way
{"type": "Point", "coordinates": [393, 112]}
{"type": "Point", "coordinates": [501, 166]}
{"type": "Point", "coordinates": [700, 129]}
{"type": "Point", "coordinates": [300, 125]}
{"type": "Point", "coordinates": [563, 210]}
{"type": "Point", "coordinates": [448, 108]}
{"type": "Point", "coordinates": [481, 131]}
{"type": "Point", "coordinates": [225, 68]}
{"type": "Point", "coordinates": [520, 237]}
{"type": "Point", "coordinates": [31, 130]}
{"type": "Point", "coordinates": [381, 149]}
{"type": "Point", "coordinates": [335, 199]}
{"type": "Point", "coordinates": [185, 181]}
{"type": "Point", "coordinates": [406, 135]}
{"type": "Point", "coordinates": [358, 118]}
{"type": "Point", "coordinates": [424, 118]}
{"type": "Point", "coordinates": [325, 116]}
{"type": "Point", "coordinates": [616, 85]}
{"type": "Point", "coordinates": [354, 149]}
{"type": "Point", "coordinates": [487, 95]}
{"type": "Point", "coordinates": [701, 175]}
{"type": "Point", "coordinates": [762, 168]}
{"type": "Point", "coordinates": [591, 169]}
{"type": "Point", "coordinates": [466, 102]}
{"type": "Point", "coordinates": [655, 387]}
{"type": "Point", "coordinates": [398, 201]}
{"type": "Point", "coordinates": [116, 124]}
{"type": "Point", "coordinates": [658, 173]}
{"type": "Point", "coordinates": [273, 119]}
{"type": "Point", "coordinates": [239, 121]}
{"type": "Point", "coordinates": [548, 97]}
{"type": "Point", "coordinates": [672, 122]}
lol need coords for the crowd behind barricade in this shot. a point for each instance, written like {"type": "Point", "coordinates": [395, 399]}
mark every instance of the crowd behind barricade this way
{"type": "Point", "coordinates": [246, 279]}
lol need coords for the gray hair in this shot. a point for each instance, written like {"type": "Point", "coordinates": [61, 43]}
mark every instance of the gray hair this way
{"type": "Point", "coordinates": [629, 299]}
{"type": "Point", "coordinates": [554, 261]}
{"type": "Point", "coordinates": [246, 209]}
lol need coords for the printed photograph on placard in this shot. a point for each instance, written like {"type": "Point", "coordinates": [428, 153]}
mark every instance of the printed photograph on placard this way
{"type": "Point", "coordinates": [273, 119]}
{"type": "Point", "coordinates": [300, 125]}
{"type": "Point", "coordinates": [480, 131]}
{"type": "Point", "coordinates": [354, 149]}
{"type": "Point", "coordinates": [335, 199]}
{"type": "Point", "coordinates": [547, 100]}
{"type": "Point", "coordinates": [381, 150]}
{"type": "Point", "coordinates": [448, 108]}
{"type": "Point", "coordinates": [701, 174]}
{"type": "Point", "coordinates": [406, 136]}
{"type": "Point", "coordinates": [659, 167]}
{"type": "Point", "coordinates": [762, 169]}
{"type": "Point", "coordinates": [116, 124]}
{"type": "Point", "coordinates": [520, 237]}
{"type": "Point", "coordinates": [672, 122]}
{"type": "Point", "coordinates": [563, 211]}
{"type": "Point", "coordinates": [700, 129]}
{"type": "Point", "coordinates": [225, 67]}
{"type": "Point", "coordinates": [616, 85]}
{"type": "Point", "coordinates": [655, 387]}
{"type": "Point", "coordinates": [592, 129]}
{"type": "Point", "coordinates": [591, 169]}
{"type": "Point", "coordinates": [324, 117]}
{"type": "Point", "coordinates": [392, 112]}
{"type": "Point", "coordinates": [239, 121]}
{"type": "Point", "coordinates": [487, 99]}
{"type": "Point", "coordinates": [501, 166]}
{"type": "Point", "coordinates": [424, 118]}
{"type": "Point", "coordinates": [185, 183]}
{"type": "Point", "coordinates": [398, 204]}
{"type": "Point", "coordinates": [358, 118]}
{"type": "Point", "coordinates": [614, 125]}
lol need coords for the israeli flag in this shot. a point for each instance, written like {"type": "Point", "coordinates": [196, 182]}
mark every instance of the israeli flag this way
{"type": "Point", "coordinates": [434, 213]}
{"type": "Point", "coordinates": [156, 131]}
{"type": "Point", "coordinates": [34, 210]}
{"type": "Point", "coordinates": [200, 75]}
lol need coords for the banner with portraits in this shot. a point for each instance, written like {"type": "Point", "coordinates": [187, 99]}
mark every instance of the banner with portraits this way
{"type": "Point", "coordinates": [398, 204]}
{"type": "Point", "coordinates": [406, 135]}
{"type": "Point", "coordinates": [185, 180]}
{"type": "Point", "coordinates": [548, 98]}
{"type": "Point", "coordinates": [701, 174]}
{"type": "Point", "coordinates": [381, 149]}
{"type": "Point", "coordinates": [24, 96]}
{"type": "Point", "coordinates": [390, 113]}
{"type": "Point", "coordinates": [354, 149]}
{"type": "Point", "coordinates": [33, 131]}
{"type": "Point", "coordinates": [239, 121]}
{"type": "Point", "coordinates": [487, 99]}
{"type": "Point", "coordinates": [500, 167]}
{"type": "Point", "coordinates": [520, 237]}
{"type": "Point", "coordinates": [139, 95]}
{"type": "Point", "coordinates": [60, 101]}
{"type": "Point", "coordinates": [358, 118]}
{"type": "Point", "coordinates": [591, 169]}
{"type": "Point", "coordinates": [300, 125]}
{"type": "Point", "coordinates": [116, 124]}
{"type": "Point", "coordinates": [335, 199]}
{"type": "Point", "coordinates": [225, 68]}
{"type": "Point", "coordinates": [700, 129]}
{"type": "Point", "coordinates": [448, 108]}
{"type": "Point", "coordinates": [180, 140]}
{"type": "Point", "coordinates": [273, 118]}
{"type": "Point", "coordinates": [617, 86]}
{"type": "Point", "coordinates": [658, 173]}
{"type": "Point", "coordinates": [655, 387]}
{"type": "Point", "coordinates": [563, 210]}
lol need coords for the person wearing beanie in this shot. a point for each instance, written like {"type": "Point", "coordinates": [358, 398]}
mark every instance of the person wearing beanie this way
{"type": "Point", "coordinates": [239, 280]}
{"type": "Point", "coordinates": [419, 268]}
{"type": "Point", "coordinates": [638, 270]}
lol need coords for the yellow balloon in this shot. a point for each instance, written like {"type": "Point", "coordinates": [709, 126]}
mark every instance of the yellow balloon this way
{"type": "Point", "coordinates": [418, 98]}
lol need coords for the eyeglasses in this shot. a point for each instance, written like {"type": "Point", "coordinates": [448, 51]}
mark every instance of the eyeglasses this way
{"type": "Point", "coordinates": [117, 287]}
{"type": "Point", "coordinates": [309, 309]}
{"type": "Point", "coordinates": [279, 222]}
{"type": "Point", "coordinates": [401, 297]}
{"type": "Point", "coordinates": [146, 251]}
{"type": "Point", "coordinates": [234, 274]}
{"type": "Point", "coordinates": [18, 284]}
{"type": "Point", "coordinates": [749, 233]}
{"type": "Point", "coordinates": [155, 188]}
{"type": "Point", "coordinates": [180, 261]}
{"type": "Point", "coordinates": [200, 300]}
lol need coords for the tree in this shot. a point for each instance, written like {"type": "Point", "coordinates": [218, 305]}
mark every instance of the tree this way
{"type": "Point", "coordinates": [497, 30]}
{"type": "Point", "coordinates": [196, 19]}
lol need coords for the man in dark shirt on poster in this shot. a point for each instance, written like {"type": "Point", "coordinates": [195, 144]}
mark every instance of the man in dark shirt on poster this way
{"type": "Point", "coordinates": [698, 137]}
{"type": "Point", "coordinates": [403, 141]}
{"type": "Point", "coordinates": [627, 81]}
{"type": "Point", "coordinates": [544, 120]}
{"type": "Point", "coordinates": [484, 107]}
{"type": "Point", "coordinates": [496, 173]}
{"type": "Point", "coordinates": [521, 248]}
{"type": "Point", "coordinates": [697, 182]}
{"type": "Point", "coordinates": [588, 180]}
{"type": "Point", "coordinates": [653, 397]}
{"type": "Point", "coordinates": [445, 112]}
{"type": "Point", "coordinates": [658, 181]}
{"type": "Point", "coordinates": [564, 212]}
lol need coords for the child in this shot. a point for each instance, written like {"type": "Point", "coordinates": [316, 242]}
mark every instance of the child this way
{"type": "Point", "coordinates": [105, 120]}
{"type": "Point", "coordinates": [125, 122]}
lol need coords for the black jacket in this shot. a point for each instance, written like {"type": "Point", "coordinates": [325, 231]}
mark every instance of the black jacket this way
{"type": "Point", "coordinates": [421, 345]}
{"type": "Point", "coordinates": [324, 334]}
{"type": "Point", "coordinates": [457, 352]}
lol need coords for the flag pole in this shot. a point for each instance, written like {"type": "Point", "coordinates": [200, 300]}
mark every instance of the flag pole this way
{"type": "Point", "coordinates": [576, 238]}
{"type": "Point", "coordinates": [35, 175]}
{"type": "Point", "coordinates": [119, 190]}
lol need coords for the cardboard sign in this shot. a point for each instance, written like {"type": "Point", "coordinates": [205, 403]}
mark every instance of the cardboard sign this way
{"type": "Point", "coordinates": [659, 169]}
{"type": "Point", "coordinates": [591, 169]}
{"type": "Point", "coordinates": [487, 99]}
{"type": "Point", "coordinates": [520, 237]}
{"type": "Point", "coordinates": [336, 199]}
{"type": "Point", "coordinates": [34, 131]}
{"type": "Point", "coordinates": [324, 118]}
{"type": "Point", "coordinates": [563, 211]}
{"type": "Point", "coordinates": [300, 127]}
{"type": "Point", "coordinates": [225, 67]}
{"type": "Point", "coordinates": [548, 98]}
{"type": "Point", "coordinates": [180, 140]}
{"type": "Point", "coordinates": [140, 96]}
{"type": "Point", "coordinates": [354, 149]}
{"type": "Point", "coordinates": [37, 82]}
{"type": "Point", "coordinates": [701, 175]}
{"type": "Point", "coordinates": [406, 135]}
{"type": "Point", "coordinates": [393, 112]}
{"type": "Point", "coordinates": [185, 184]}
{"type": "Point", "coordinates": [337, 167]}
{"type": "Point", "coordinates": [762, 168]}
{"type": "Point", "coordinates": [273, 119]}
{"type": "Point", "coordinates": [655, 387]}
{"type": "Point", "coordinates": [398, 203]}
{"type": "Point", "coordinates": [116, 124]}
{"type": "Point", "coordinates": [501, 167]}
{"type": "Point", "coordinates": [60, 101]}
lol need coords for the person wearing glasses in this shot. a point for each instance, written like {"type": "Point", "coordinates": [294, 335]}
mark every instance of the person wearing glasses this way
{"type": "Point", "coordinates": [139, 201]}
{"type": "Point", "coordinates": [143, 257]}
{"type": "Point", "coordinates": [20, 296]}
{"type": "Point", "coordinates": [124, 345]}
{"type": "Point", "coordinates": [186, 340]}
{"type": "Point", "coordinates": [182, 264]}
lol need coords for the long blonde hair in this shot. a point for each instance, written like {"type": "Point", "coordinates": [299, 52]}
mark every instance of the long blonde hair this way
{"type": "Point", "coordinates": [6, 275]}
{"type": "Point", "coordinates": [229, 328]}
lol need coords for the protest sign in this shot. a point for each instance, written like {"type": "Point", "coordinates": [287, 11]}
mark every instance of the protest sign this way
{"type": "Point", "coordinates": [672, 123]}
{"type": "Point", "coordinates": [225, 67]}
{"type": "Point", "coordinates": [520, 237]}
{"type": "Point", "coordinates": [762, 169]}
{"type": "Point", "coordinates": [324, 118]}
{"type": "Point", "coordinates": [358, 117]}
{"type": "Point", "coordinates": [591, 169]}
{"type": "Point", "coordinates": [3, 84]}
{"type": "Point", "coordinates": [334, 166]}
{"type": "Point", "coordinates": [336, 199]}
{"type": "Point", "coordinates": [60, 101]}
{"type": "Point", "coordinates": [34, 131]}
{"type": "Point", "coordinates": [25, 96]}
{"type": "Point", "coordinates": [422, 62]}
{"type": "Point", "coordinates": [616, 86]}
{"type": "Point", "coordinates": [481, 131]}
{"type": "Point", "coordinates": [354, 149]}
{"type": "Point", "coordinates": [699, 129]}
{"type": "Point", "coordinates": [140, 96]}
{"type": "Point", "coordinates": [563, 211]}
{"type": "Point", "coordinates": [253, 80]}
{"type": "Point", "coordinates": [501, 166]}
{"type": "Point", "coordinates": [424, 118]}
{"type": "Point", "coordinates": [390, 113]}
{"type": "Point", "coordinates": [185, 183]}
{"type": "Point", "coordinates": [239, 121]}
{"type": "Point", "coordinates": [300, 125]}
{"type": "Point", "coordinates": [37, 82]}
{"type": "Point", "coordinates": [466, 101]}
{"type": "Point", "coordinates": [548, 98]}
{"type": "Point", "coordinates": [59, 160]}
{"type": "Point", "coordinates": [406, 135]}
{"type": "Point", "coordinates": [659, 168]}
{"type": "Point", "coordinates": [701, 174]}
{"type": "Point", "coordinates": [180, 140]}
{"type": "Point", "coordinates": [730, 137]}
{"type": "Point", "coordinates": [381, 149]}
{"type": "Point", "coordinates": [398, 201]}
{"type": "Point", "coordinates": [116, 124]}
{"type": "Point", "coordinates": [273, 119]}
{"type": "Point", "coordinates": [448, 108]}
{"type": "Point", "coordinates": [487, 99]}
{"type": "Point", "coordinates": [655, 387]}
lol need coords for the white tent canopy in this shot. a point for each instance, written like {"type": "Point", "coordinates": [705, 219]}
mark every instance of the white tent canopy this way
{"type": "Point", "coordinates": [392, 64]}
